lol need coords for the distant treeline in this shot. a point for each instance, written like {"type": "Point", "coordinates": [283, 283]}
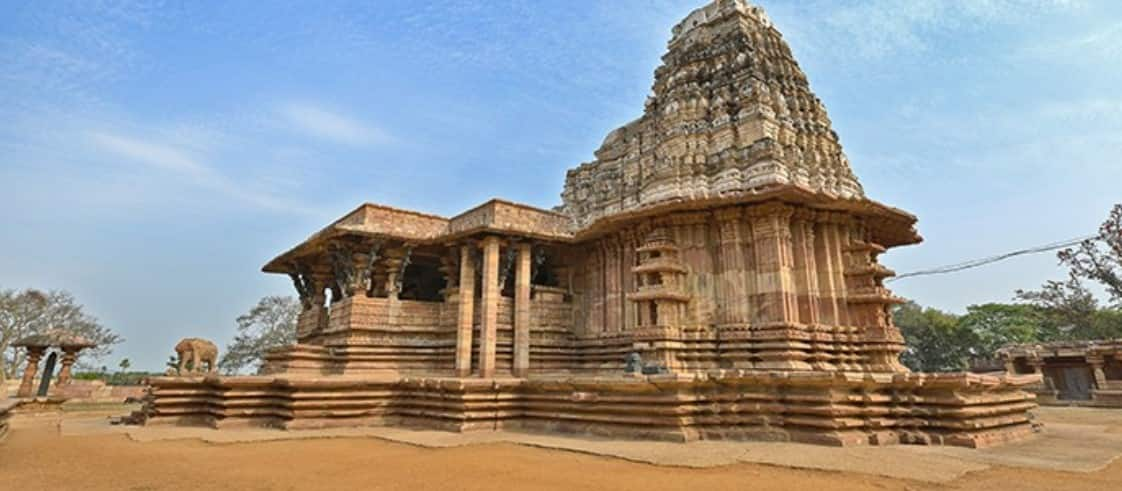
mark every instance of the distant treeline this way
{"type": "Point", "coordinates": [939, 341]}
{"type": "Point", "coordinates": [1059, 311]}
{"type": "Point", "coordinates": [116, 378]}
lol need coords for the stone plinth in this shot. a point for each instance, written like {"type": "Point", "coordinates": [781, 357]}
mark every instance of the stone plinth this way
{"type": "Point", "coordinates": [6, 406]}
{"type": "Point", "coordinates": [826, 408]}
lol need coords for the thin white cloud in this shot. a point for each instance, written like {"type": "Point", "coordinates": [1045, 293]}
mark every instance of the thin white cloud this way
{"type": "Point", "coordinates": [155, 155]}
{"type": "Point", "coordinates": [1102, 45]}
{"type": "Point", "coordinates": [877, 29]}
{"type": "Point", "coordinates": [181, 164]}
{"type": "Point", "coordinates": [324, 124]}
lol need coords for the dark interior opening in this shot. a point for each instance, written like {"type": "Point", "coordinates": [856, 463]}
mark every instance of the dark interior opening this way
{"type": "Point", "coordinates": [422, 281]}
{"type": "Point", "coordinates": [544, 272]}
{"type": "Point", "coordinates": [1112, 368]}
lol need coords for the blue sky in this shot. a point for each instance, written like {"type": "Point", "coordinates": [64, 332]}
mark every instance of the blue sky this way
{"type": "Point", "coordinates": [154, 155]}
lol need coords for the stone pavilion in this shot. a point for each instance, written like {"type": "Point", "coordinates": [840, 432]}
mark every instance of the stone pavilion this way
{"type": "Point", "coordinates": [1073, 373]}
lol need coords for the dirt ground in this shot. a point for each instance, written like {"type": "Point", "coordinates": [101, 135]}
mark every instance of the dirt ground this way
{"type": "Point", "coordinates": [35, 456]}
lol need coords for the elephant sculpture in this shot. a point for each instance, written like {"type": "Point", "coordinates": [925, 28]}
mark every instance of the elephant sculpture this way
{"type": "Point", "coordinates": [198, 351]}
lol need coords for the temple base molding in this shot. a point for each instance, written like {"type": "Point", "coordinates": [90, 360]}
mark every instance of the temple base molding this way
{"type": "Point", "coordinates": [840, 409]}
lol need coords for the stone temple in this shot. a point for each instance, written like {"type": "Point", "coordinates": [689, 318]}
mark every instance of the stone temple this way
{"type": "Point", "coordinates": [712, 274]}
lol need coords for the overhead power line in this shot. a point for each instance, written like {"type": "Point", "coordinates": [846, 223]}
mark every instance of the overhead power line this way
{"type": "Point", "coordinates": [974, 263]}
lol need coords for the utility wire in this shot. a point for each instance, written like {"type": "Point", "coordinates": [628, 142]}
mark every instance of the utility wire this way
{"type": "Point", "coordinates": [974, 263]}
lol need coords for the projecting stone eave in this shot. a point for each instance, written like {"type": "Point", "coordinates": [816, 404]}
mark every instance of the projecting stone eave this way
{"type": "Point", "coordinates": [367, 220]}
{"type": "Point", "coordinates": [375, 221]}
{"type": "Point", "coordinates": [888, 226]}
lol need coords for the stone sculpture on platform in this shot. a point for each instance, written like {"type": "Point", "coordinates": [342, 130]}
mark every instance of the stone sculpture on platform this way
{"type": "Point", "coordinates": [193, 353]}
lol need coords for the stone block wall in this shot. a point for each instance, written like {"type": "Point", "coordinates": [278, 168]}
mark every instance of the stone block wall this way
{"type": "Point", "coordinates": [96, 391]}
{"type": "Point", "coordinates": [771, 286]}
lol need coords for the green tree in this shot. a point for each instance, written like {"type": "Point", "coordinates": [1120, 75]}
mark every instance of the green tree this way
{"type": "Point", "coordinates": [994, 325]}
{"type": "Point", "coordinates": [270, 324]}
{"type": "Point", "coordinates": [124, 365]}
{"type": "Point", "coordinates": [1069, 311]}
{"type": "Point", "coordinates": [935, 341]}
{"type": "Point", "coordinates": [1100, 259]}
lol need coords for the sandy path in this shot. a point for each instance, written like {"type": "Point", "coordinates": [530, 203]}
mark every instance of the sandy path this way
{"type": "Point", "coordinates": [36, 457]}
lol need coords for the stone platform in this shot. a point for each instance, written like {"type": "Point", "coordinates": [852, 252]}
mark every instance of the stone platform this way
{"type": "Point", "coordinates": [840, 409]}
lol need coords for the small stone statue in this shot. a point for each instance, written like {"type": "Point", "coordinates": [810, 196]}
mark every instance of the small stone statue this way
{"type": "Point", "coordinates": [634, 363]}
{"type": "Point", "coordinates": [199, 351]}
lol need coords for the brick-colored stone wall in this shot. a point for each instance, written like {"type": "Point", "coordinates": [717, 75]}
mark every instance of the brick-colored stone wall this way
{"type": "Point", "coordinates": [774, 285]}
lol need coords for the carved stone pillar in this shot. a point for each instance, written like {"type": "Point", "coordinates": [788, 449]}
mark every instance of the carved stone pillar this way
{"type": "Point", "coordinates": [69, 355]}
{"type": "Point", "coordinates": [396, 260]}
{"type": "Point", "coordinates": [313, 318]}
{"type": "Point", "coordinates": [489, 305]}
{"type": "Point", "coordinates": [1038, 369]}
{"type": "Point", "coordinates": [34, 354]}
{"type": "Point", "coordinates": [522, 310]}
{"type": "Point", "coordinates": [1096, 361]}
{"type": "Point", "coordinates": [467, 310]}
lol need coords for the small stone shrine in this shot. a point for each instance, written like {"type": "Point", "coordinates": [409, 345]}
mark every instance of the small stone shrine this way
{"type": "Point", "coordinates": [67, 343]}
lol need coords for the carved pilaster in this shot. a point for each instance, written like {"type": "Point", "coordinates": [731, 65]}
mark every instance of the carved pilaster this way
{"type": "Point", "coordinates": [1096, 361]}
{"type": "Point", "coordinates": [805, 271]}
{"type": "Point", "coordinates": [775, 297]}
{"type": "Point", "coordinates": [613, 294]}
{"type": "Point", "coordinates": [732, 287]}
{"type": "Point", "coordinates": [595, 288]}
